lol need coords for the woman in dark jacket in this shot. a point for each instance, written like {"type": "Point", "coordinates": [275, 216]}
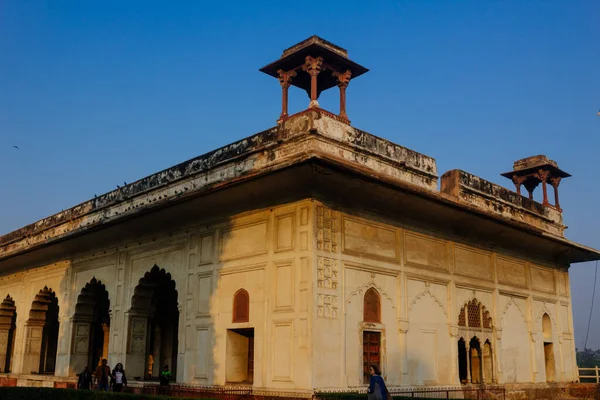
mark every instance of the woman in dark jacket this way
{"type": "Point", "coordinates": [377, 389]}
{"type": "Point", "coordinates": [118, 378]}
{"type": "Point", "coordinates": [85, 379]}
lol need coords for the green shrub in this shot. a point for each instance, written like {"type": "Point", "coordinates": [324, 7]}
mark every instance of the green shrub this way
{"type": "Point", "coordinates": [30, 393]}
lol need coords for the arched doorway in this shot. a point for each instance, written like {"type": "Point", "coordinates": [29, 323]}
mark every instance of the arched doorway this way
{"type": "Point", "coordinates": [41, 341]}
{"type": "Point", "coordinates": [475, 360]}
{"type": "Point", "coordinates": [91, 324]}
{"type": "Point", "coordinates": [8, 325]}
{"type": "Point", "coordinates": [548, 348]}
{"type": "Point", "coordinates": [487, 366]}
{"type": "Point", "coordinates": [462, 361]}
{"type": "Point", "coordinates": [153, 326]}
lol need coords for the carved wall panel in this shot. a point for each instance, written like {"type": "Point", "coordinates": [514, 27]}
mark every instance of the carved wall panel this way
{"type": "Point", "coordinates": [369, 240]}
{"type": "Point", "coordinates": [204, 294]}
{"type": "Point", "coordinates": [422, 251]}
{"type": "Point", "coordinates": [283, 351]}
{"type": "Point", "coordinates": [284, 287]}
{"type": "Point", "coordinates": [473, 263]}
{"type": "Point", "coordinates": [542, 279]}
{"type": "Point", "coordinates": [563, 289]}
{"type": "Point", "coordinates": [202, 353]}
{"type": "Point", "coordinates": [284, 232]}
{"type": "Point", "coordinates": [511, 272]}
{"type": "Point", "coordinates": [82, 337]}
{"type": "Point", "coordinates": [245, 241]}
{"type": "Point", "coordinates": [327, 283]}
{"type": "Point", "coordinates": [138, 335]}
{"type": "Point", "coordinates": [327, 229]}
{"type": "Point", "coordinates": [207, 246]}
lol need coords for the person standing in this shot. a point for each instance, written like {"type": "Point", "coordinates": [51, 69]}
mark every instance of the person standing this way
{"type": "Point", "coordinates": [85, 379]}
{"type": "Point", "coordinates": [102, 374]}
{"type": "Point", "coordinates": [165, 378]}
{"type": "Point", "coordinates": [377, 389]}
{"type": "Point", "coordinates": [118, 378]}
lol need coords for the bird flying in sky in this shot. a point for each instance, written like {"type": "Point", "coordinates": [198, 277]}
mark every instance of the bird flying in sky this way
{"type": "Point", "coordinates": [16, 147]}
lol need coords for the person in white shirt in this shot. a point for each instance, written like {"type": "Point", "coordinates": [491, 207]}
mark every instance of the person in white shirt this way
{"type": "Point", "coordinates": [119, 379]}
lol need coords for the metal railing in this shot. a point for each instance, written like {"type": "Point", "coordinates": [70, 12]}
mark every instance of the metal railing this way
{"type": "Point", "coordinates": [589, 374]}
{"type": "Point", "coordinates": [465, 392]}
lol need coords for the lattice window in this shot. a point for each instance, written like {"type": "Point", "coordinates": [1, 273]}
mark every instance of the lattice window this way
{"type": "Point", "coordinates": [372, 306]}
{"type": "Point", "coordinates": [474, 314]}
{"type": "Point", "coordinates": [462, 319]}
{"type": "Point", "coordinates": [241, 306]}
{"type": "Point", "coordinates": [487, 320]}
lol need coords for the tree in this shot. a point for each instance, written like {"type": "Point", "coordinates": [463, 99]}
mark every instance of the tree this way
{"type": "Point", "coordinates": [588, 358]}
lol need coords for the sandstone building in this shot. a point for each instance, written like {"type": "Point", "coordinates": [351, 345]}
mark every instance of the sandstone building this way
{"type": "Point", "coordinates": [294, 258]}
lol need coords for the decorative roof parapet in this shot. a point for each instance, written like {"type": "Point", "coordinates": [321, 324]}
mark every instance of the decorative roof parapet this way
{"type": "Point", "coordinates": [258, 154]}
{"type": "Point", "coordinates": [472, 191]}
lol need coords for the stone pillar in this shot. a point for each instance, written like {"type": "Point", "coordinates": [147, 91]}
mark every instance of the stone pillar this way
{"type": "Point", "coordinates": [518, 181]}
{"type": "Point", "coordinates": [4, 346]}
{"type": "Point", "coordinates": [403, 333]}
{"type": "Point", "coordinates": [497, 352]}
{"type": "Point", "coordinates": [105, 340]}
{"type": "Point", "coordinates": [285, 79]}
{"type": "Point", "coordinates": [555, 182]}
{"type": "Point", "coordinates": [530, 185]}
{"type": "Point", "coordinates": [543, 177]}
{"type": "Point", "coordinates": [136, 346]}
{"type": "Point", "coordinates": [313, 67]}
{"type": "Point", "coordinates": [453, 331]}
{"type": "Point", "coordinates": [81, 346]}
{"type": "Point", "coordinates": [33, 347]}
{"type": "Point", "coordinates": [343, 80]}
{"type": "Point", "coordinates": [533, 336]}
{"type": "Point", "coordinates": [468, 361]}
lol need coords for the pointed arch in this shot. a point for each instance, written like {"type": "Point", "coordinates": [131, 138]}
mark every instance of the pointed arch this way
{"type": "Point", "coordinates": [91, 323]}
{"type": "Point", "coordinates": [153, 325]}
{"type": "Point", "coordinates": [43, 322]}
{"type": "Point", "coordinates": [366, 287]}
{"type": "Point", "coordinates": [546, 327]}
{"type": "Point", "coordinates": [423, 294]}
{"type": "Point", "coordinates": [8, 325]}
{"type": "Point", "coordinates": [545, 310]}
{"type": "Point", "coordinates": [241, 306]}
{"type": "Point", "coordinates": [372, 306]}
{"type": "Point", "coordinates": [514, 303]}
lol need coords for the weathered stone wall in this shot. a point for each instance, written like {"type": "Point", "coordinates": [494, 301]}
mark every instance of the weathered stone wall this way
{"type": "Point", "coordinates": [306, 268]}
{"type": "Point", "coordinates": [424, 281]}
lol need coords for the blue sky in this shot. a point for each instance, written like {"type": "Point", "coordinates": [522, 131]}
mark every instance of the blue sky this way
{"type": "Point", "coordinates": [97, 93]}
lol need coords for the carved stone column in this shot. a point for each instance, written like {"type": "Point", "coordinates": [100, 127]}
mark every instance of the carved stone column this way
{"type": "Point", "coordinates": [468, 362]}
{"type": "Point", "coordinates": [497, 360]}
{"type": "Point", "coordinates": [343, 80]}
{"type": "Point", "coordinates": [403, 332]}
{"type": "Point", "coordinates": [518, 181]}
{"type": "Point", "coordinates": [530, 185]}
{"type": "Point", "coordinates": [533, 336]}
{"type": "Point", "coordinates": [543, 177]}
{"type": "Point", "coordinates": [555, 182]}
{"type": "Point", "coordinates": [313, 67]}
{"type": "Point", "coordinates": [453, 331]}
{"type": "Point", "coordinates": [106, 332]}
{"type": "Point", "coordinates": [285, 79]}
